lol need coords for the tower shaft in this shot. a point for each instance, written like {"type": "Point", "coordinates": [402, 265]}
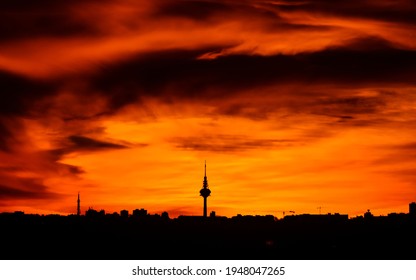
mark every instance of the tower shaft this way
{"type": "Point", "coordinates": [205, 207]}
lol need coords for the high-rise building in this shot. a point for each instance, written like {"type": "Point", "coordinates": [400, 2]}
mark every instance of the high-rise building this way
{"type": "Point", "coordinates": [124, 213]}
{"type": "Point", "coordinates": [412, 209]}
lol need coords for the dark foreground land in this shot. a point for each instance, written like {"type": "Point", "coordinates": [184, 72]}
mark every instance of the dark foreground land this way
{"type": "Point", "coordinates": [117, 238]}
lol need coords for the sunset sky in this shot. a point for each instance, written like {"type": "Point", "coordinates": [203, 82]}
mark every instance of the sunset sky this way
{"type": "Point", "coordinates": [294, 104]}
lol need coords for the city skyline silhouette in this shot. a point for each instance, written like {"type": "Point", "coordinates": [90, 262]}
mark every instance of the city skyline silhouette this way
{"type": "Point", "coordinates": [140, 235]}
{"type": "Point", "coordinates": [205, 192]}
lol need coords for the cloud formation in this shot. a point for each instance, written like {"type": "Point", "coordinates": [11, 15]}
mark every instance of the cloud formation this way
{"type": "Point", "coordinates": [228, 143]}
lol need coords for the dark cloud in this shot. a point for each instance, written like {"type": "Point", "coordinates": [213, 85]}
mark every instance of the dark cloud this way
{"type": "Point", "coordinates": [86, 143]}
{"type": "Point", "coordinates": [177, 74]}
{"type": "Point", "coordinates": [18, 93]}
{"type": "Point", "coordinates": [405, 175]}
{"type": "Point", "coordinates": [20, 5]}
{"type": "Point", "coordinates": [77, 143]}
{"type": "Point", "coordinates": [214, 11]}
{"type": "Point", "coordinates": [5, 136]}
{"type": "Point", "coordinates": [397, 154]}
{"type": "Point", "coordinates": [249, 110]}
{"type": "Point", "coordinates": [340, 118]}
{"type": "Point", "coordinates": [32, 190]}
{"type": "Point", "coordinates": [19, 97]}
{"type": "Point", "coordinates": [12, 133]}
{"type": "Point", "coordinates": [351, 105]}
{"type": "Point", "coordinates": [410, 146]}
{"type": "Point", "coordinates": [44, 18]}
{"type": "Point", "coordinates": [228, 143]}
{"type": "Point", "coordinates": [197, 10]}
{"type": "Point", "coordinates": [382, 10]}
{"type": "Point", "coordinates": [71, 169]}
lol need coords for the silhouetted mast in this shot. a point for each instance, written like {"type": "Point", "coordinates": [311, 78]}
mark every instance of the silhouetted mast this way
{"type": "Point", "coordinates": [205, 191]}
{"type": "Point", "coordinates": [78, 206]}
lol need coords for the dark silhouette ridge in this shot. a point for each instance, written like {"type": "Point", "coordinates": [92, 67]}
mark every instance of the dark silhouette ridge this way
{"type": "Point", "coordinates": [100, 235]}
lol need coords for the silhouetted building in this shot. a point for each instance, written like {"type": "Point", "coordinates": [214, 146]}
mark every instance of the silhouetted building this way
{"type": "Point", "coordinates": [91, 212]}
{"type": "Point", "coordinates": [205, 191]}
{"type": "Point", "coordinates": [124, 213]}
{"type": "Point", "coordinates": [305, 236]}
{"type": "Point", "coordinates": [139, 213]}
{"type": "Point", "coordinates": [368, 215]}
{"type": "Point", "coordinates": [397, 216]}
{"type": "Point", "coordinates": [113, 215]}
{"type": "Point", "coordinates": [313, 218]}
{"type": "Point", "coordinates": [165, 215]}
{"type": "Point", "coordinates": [94, 213]}
{"type": "Point", "coordinates": [412, 209]}
{"type": "Point", "coordinates": [78, 205]}
{"type": "Point", "coordinates": [254, 218]}
{"type": "Point", "coordinates": [189, 219]}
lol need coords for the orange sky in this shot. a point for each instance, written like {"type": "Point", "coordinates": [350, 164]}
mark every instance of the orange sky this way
{"type": "Point", "coordinates": [294, 105]}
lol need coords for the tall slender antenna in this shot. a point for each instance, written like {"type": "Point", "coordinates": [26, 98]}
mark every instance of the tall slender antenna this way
{"type": "Point", "coordinates": [78, 205]}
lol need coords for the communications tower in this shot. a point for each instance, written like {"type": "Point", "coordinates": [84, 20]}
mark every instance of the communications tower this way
{"type": "Point", "coordinates": [205, 191]}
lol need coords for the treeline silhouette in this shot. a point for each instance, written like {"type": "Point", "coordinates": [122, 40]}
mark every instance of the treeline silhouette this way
{"type": "Point", "coordinates": [97, 235]}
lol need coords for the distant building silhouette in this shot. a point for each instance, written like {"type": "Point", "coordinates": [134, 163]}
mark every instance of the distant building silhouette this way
{"type": "Point", "coordinates": [165, 215]}
{"type": "Point", "coordinates": [154, 236]}
{"type": "Point", "coordinates": [205, 191]}
{"type": "Point", "coordinates": [254, 218]}
{"type": "Point", "coordinates": [139, 213]}
{"type": "Point", "coordinates": [368, 215]}
{"type": "Point", "coordinates": [412, 209]}
{"type": "Point", "coordinates": [124, 213]}
{"type": "Point", "coordinates": [114, 215]}
{"type": "Point", "coordinates": [308, 218]}
{"type": "Point", "coordinates": [91, 212]}
{"type": "Point", "coordinates": [78, 206]}
{"type": "Point", "coordinates": [94, 213]}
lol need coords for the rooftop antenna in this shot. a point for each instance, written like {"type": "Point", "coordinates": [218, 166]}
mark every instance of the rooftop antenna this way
{"type": "Point", "coordinates": [319, 208]}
